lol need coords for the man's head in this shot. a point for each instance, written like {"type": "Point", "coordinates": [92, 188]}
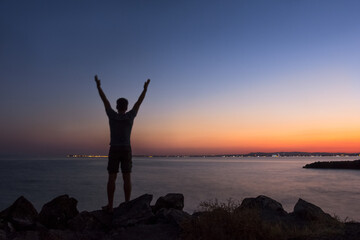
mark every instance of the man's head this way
{"type": "Point", "coordinates": [122, 104]}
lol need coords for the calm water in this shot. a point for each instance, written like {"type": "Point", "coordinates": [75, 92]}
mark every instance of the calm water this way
{"type": "Point", "coordinates": [284, 179]}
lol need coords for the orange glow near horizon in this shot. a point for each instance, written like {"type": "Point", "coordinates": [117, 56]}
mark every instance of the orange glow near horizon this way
{"type": "Point", "coordinates": [316, 127]}
{"type": "Point", "coordinates": [199, 140]}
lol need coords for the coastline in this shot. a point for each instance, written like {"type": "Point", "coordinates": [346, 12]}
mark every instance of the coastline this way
{"type": "Point", "coordinates": [257, 218]}
{"type": "Point", "coordinates": [353, 165]}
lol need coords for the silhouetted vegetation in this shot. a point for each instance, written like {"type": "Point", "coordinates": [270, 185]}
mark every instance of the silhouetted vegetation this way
{"type": "Point", "coordinates": [229, 221]}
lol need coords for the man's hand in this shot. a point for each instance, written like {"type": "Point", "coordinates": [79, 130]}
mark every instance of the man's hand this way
{"type": "Point", "coordinates": [98, 83]}
{"type": "Point", "coordinates": [142, 96]}
{"type": "Point", "coordinates": [146, 84]}
{"type": "Point", "coordinates": [102, 94]}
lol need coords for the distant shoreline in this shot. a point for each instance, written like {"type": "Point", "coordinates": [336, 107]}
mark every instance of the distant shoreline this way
{"type": "Point", "coordinates": [253, 154]}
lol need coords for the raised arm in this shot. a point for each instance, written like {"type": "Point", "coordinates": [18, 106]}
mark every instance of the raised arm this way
{"type": "Point", "coordinates": [101, 93]}
{"type": "Point", "coordinates": [142, 96]}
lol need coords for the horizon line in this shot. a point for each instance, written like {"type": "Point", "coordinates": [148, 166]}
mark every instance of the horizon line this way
{"type": "Point", "coordinates": [231, 154]}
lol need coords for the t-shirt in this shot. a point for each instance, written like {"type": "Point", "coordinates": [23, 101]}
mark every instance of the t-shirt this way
{"type": "Point", "coordinates": [120, 127]}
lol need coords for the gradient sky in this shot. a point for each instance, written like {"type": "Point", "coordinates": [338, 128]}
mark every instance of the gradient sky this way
{"type": "Point", "coordinates": [227, 76]}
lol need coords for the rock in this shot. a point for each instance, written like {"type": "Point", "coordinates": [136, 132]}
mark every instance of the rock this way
{"type": "Point", "coordinates": [56, 213]}
{"type": "Point", "coordinates": [269, 209]}
{"type": "Point", "coordinates": [95, 220]}
{"type": "Point", "coordinates": [55, 234]}
{"type": "Point", "coordinates": [11, 227]}
{"type": "Point", "coordinates": [40, 227]}
{"type": "Point", "coordinates": [171, 200]}
{"type": "Point", "coordinates": [21, 214]}
{"type": "Point", "coordinates": [27, 235]}
{"type": "Point", "coordinates": [173, 216]}
{"type": "Point", "coordinates": [263, 203]}
{"type": "Point", "coordinates": [309, 212]}
{"type": "Point", "coordinates": [135, 220]}
{"type": "Point", "coordinates": [92, 235]}
{"type": "Point", "coordinates": [2, 235]}
{"type": "Point", "coordinates": [85, 221]}
{"type": "Point", "coordinates": [159, 231]}
{"type": "Point", "coordinates": [103, 217]}
{"type": "Point", "coordinates": [3, 224]}
{"type": "Point", "coordinates": [133, 212]}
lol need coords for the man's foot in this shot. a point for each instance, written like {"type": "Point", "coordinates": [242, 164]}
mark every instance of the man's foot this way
{"type": "Point", "coordinates": [108, 209]}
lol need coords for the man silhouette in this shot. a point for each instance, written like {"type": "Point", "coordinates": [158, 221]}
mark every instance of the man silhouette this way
{"type": "Point", "coordinates": [121, 123]}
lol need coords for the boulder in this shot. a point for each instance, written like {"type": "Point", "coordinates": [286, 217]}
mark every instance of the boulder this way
{"type": "Point", "coordinates": [173, 216]}
{"type": "Point", "coordinates": [171, 200]}
{"type": "Point", "coordinates": [133, 212]}
{"type": "Point", "coordinates": [103, 217]}
{"type": "Point", "coordinates": [309, 212]}
{"type": "Point", "coordinates": [21, 214]}
{"type": "Point", "coordinates": [269, 209]}
{"type": "Point", "coordinates": [27, 235]}
{"type": "Point", "coordinates": [263, 203]}
{"type": "Point", "coordinates": [56, 213]}
{"type": "Point", "coordinates": [197, 214]}
{"type": "Point", "coordinates": [3, 224]}
{"type": "Point", "coordinates": [2, 235]}
{"type": "Point", "coordinates": [10, 227]}
{"type": "Point", "coordinates": [55, 234]}
{"type": "Point", "coordinates": [160, 231]}
{"type": "Point", "coordinates": [85, 221]}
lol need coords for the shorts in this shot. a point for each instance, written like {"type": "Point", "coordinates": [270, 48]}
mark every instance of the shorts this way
{"type": "Point", "coordinates": [117, 155]}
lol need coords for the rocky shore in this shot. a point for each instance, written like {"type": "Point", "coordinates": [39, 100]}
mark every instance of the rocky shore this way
{"type": "Point", "coordinates": [335, 165]}
{"type": "Point", "coordinates": [138, 219]}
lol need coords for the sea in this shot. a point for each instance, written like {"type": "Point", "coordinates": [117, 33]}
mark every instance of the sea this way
{"type": "Point", "coordinates": [200, 179]}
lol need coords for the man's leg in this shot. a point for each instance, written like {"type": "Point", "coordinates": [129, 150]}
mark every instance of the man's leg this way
{"type": "Point", "coordinates": [127, 186]}
{"type": "Point", "coordinates": [111, 190]}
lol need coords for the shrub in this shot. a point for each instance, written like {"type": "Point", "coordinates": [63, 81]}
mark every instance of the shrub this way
{"type": "Point", "coordinates": [221, 221]}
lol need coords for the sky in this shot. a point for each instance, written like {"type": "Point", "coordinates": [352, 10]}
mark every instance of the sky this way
{"type": "Point", "coordinates": [227, 77]}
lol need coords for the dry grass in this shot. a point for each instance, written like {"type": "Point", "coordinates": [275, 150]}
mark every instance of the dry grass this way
{"type": "Point", "coordinates": [220, 221]}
